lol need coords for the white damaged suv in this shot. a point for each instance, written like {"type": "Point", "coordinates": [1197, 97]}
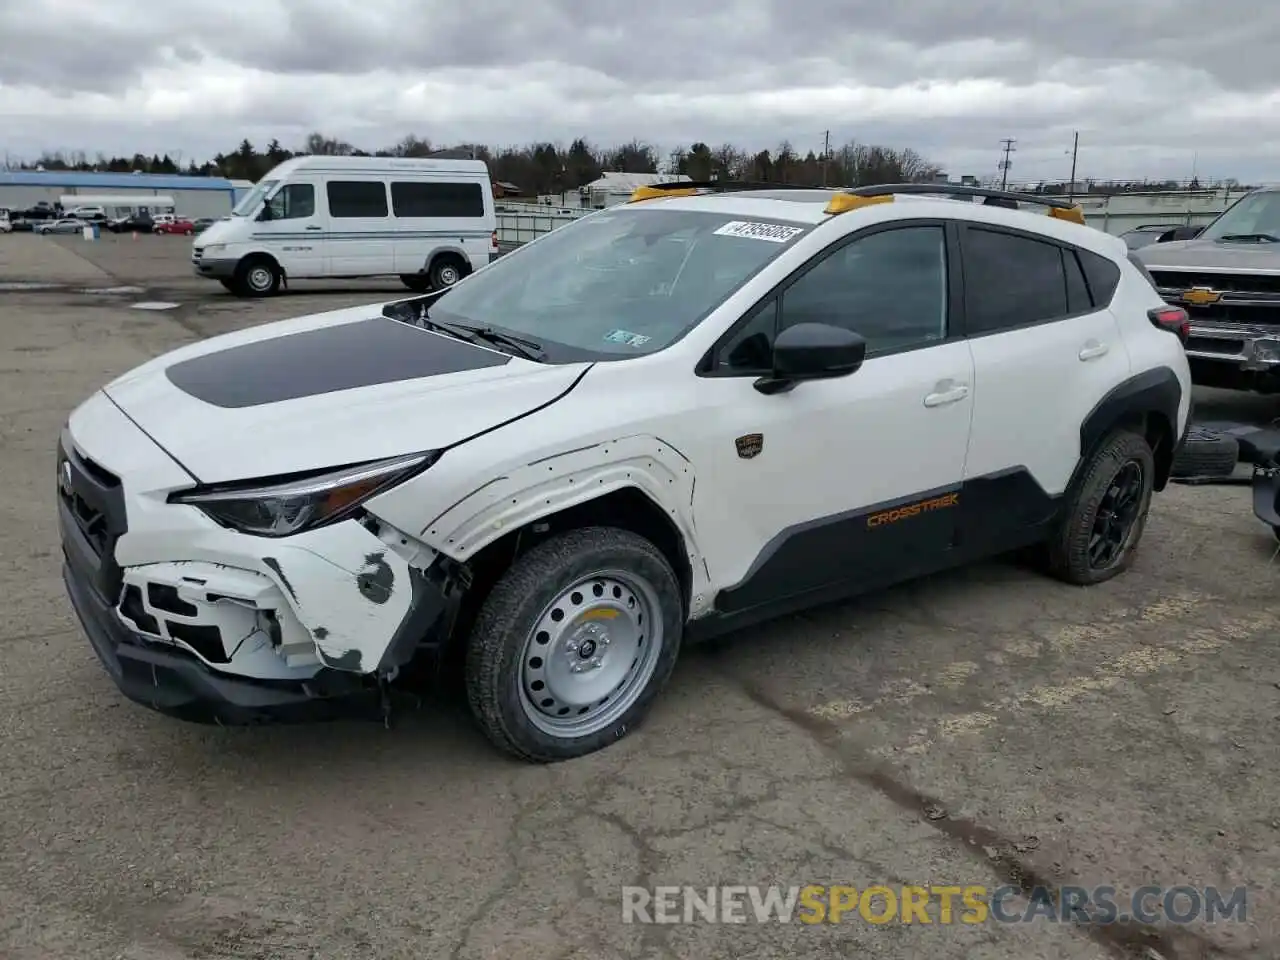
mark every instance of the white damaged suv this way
{"type": "Point", "coordinates": [701, 409]}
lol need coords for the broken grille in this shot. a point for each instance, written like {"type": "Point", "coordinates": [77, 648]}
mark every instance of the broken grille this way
{"type": "Point", "coordinates": [93, 498]}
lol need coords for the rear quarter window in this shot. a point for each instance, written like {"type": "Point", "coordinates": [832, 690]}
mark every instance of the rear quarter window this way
{"type": "Point", "coordinates": [1102, 275]}
{"type": "Point", "coordinates": [1142, 269]}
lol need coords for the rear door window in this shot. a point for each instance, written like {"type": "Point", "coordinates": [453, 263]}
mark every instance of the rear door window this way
{"type": "Point", "coordinates": [1011, 281]}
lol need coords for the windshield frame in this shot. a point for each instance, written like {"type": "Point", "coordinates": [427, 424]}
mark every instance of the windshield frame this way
{"type": "Point", "coordinates": [509, 268]}
{"type": "Point", "coordinates": [1216, 231]}
{"type": "Point", "coordinates": [254, 198]}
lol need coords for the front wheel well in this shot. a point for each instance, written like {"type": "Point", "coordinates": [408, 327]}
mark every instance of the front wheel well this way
{"type": "Point", "coordinates": [263, 256]}
{"type": "Point", "coordinates": [627, 509]}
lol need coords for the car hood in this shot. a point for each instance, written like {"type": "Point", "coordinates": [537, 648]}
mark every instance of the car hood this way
{"type": "Point", "coordinates": [327, 390]}
{"type": "Point", "coordinates": [1212, 255]}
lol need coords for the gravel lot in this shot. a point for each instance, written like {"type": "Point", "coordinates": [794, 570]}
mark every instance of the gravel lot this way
{"type": "Point", "coordinates": [981, 727]}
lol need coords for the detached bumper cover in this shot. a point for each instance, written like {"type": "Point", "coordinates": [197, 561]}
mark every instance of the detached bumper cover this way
{"type": "Point", "coordinates": [177, 684]}
{"type": "Point", "coordinates": [157, 673]}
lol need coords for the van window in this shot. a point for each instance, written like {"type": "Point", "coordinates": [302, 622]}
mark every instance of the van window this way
{"type": "Point", "coordinates": [419, 199]}
{"type": "Point", "coordinates": [295, 201]}
{"type": "Point", "coordinates": [357, 198]}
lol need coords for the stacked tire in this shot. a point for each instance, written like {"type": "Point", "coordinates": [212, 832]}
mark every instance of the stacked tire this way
{"type": "Point", "coordinates": [1205, 455]}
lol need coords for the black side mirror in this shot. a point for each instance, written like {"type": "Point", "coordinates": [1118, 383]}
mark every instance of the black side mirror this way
{"type": "Point", "coordinates": [812, 351]}
{"type": "Point", "coordinates": [265, 215]}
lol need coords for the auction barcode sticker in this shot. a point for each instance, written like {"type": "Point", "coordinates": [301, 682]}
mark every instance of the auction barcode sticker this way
{"type": "Point", "coordinates": [772, 232]}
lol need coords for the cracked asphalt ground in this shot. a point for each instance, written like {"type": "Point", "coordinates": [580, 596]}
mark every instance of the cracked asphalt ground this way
{"type": "Point", "coordinates": [983, 727]}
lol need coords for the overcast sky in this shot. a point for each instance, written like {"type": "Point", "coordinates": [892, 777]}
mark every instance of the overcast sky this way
{"type": "Point", "coordinates": [1157, 88]}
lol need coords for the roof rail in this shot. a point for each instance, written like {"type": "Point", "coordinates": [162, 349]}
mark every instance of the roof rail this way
{"type": "Point", "coordinates": [690, 188]}
{"type": "Point", "coordinates": [883, 193]}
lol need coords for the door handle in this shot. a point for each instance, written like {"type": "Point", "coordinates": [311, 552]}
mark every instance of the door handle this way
{"type": "Point", "coordinates": [1093, 349]}
{"type": "Point", "coordinates": [315, 228]}
{"type": "Point", "coordinates": [942, 397]}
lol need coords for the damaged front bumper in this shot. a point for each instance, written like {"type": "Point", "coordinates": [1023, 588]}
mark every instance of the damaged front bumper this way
{"type": "Point", "coordinates": [207, 624]}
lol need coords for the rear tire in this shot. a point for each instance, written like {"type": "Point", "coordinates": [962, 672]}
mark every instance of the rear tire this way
{"type": "Point", "coordinates": [257, 277]}
{"type": "Point", "coordinates": [573, 644]}
{"type": "Point", "coordinates": [417, 282]}
{"type": "Point", "coordinates": [445, 272]}
{"type": "Point", "coordinates": [1105, 514]}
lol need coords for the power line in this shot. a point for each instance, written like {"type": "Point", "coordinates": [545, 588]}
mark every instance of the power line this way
{"type": "Point", "coordinates": [1006, 163]}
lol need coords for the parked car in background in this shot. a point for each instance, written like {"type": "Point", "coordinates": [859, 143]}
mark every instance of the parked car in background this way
{"type": "Point", "coordinates": [1150, 233]}
{"type": "Point", "coordinates": [6, 225]}
{"type": "Point", "coordinates": [135, 223]}
{"type": "Point", "coordinates": [93, 212]}
{"type": "Point", "coordinates": [1139, 237]}
{"type": "Point", "coordinates": [179, 225]}
{"type": "Point", "coordinates": [44, 210]}
{"type": "Point", "coordinates": [63, 225]}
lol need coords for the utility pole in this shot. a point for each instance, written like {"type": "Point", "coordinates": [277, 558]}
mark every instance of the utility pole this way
{"type": "Point", "coordinates": [826, 155]}
{"type": "Point", "coordinates": [1006, 163]}
{"type": "Point", "coordinates": [1071, 187]}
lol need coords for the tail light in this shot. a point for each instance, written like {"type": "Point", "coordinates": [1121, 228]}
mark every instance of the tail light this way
{"type": "Point", "coordinates": [493, 242]}
{"type": "Point", "coordinates": [1173, 319]}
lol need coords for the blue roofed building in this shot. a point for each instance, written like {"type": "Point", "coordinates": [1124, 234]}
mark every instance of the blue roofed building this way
{"type": "Point", "coordinates": [193, 196]}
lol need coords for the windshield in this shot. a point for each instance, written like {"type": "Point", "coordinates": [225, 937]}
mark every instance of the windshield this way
{"type": "Point", "coordinates": [251, 199]}
{"type": "Point", "coordinates": [1253, 216]}
{"type": "Point", "coordinates": [620, 283]}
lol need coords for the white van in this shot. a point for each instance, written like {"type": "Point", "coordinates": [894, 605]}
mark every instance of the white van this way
{"type": "Point", "coordinates": [429, 222]}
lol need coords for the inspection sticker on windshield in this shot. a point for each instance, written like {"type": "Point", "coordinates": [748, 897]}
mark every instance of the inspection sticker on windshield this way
{"type": "Point", "coordinates": [623, 336]}
{"type": "Point", "coordinates": [773, 232]}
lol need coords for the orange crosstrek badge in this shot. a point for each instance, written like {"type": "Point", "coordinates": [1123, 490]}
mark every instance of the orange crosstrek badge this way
{"type": "Point", "coordinates": [913, 510]}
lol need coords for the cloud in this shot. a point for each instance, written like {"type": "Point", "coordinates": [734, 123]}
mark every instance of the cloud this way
{"type": "Point", "coordinates": [1157, 88]}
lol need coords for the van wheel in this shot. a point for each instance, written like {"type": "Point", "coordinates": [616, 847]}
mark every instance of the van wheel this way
{"type": "Point", "coordinates": [417, 282]}
{"type": "Point", "coordinates": [257, 277]}
{"type": "Point", "coordinates": [445, 272]}
{"type": "Point", "coordinates": [1105, 514]}
{"type": "Point", "coordinates": [573, 644]}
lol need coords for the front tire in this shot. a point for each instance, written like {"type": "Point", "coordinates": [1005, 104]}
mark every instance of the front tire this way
{"type": "Point", "coordinates": [257, 277]}
{"type": "Point", "coordinates": [1106, 513]}
{"type": "Point", "coordinates": [573, 644]}
{"type": "Point", "coordinates": [417, 282]}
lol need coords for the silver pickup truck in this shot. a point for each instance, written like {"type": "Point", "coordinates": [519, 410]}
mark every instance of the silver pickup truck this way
{"type": "Point", "coordinates": [1228, 279]}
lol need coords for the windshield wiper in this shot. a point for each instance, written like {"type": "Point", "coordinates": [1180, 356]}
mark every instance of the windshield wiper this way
{"type": "Point", "coordinates": [529, 349]}
{"type": "Point", "coordinates": [1268, 237]}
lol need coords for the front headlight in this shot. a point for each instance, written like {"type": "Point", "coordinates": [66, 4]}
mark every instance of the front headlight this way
{"type": "Point", "coordinates": [213, 247]}
{"type": "Point", "coordinates": [268, 508]}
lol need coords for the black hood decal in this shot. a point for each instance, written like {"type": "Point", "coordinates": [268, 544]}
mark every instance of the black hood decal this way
{"type": "Point", "coordinates": [344, 357]}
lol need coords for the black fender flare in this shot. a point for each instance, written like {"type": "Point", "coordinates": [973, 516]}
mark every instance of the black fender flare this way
{"type": "Point", "coordinates": [1156, 392]}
